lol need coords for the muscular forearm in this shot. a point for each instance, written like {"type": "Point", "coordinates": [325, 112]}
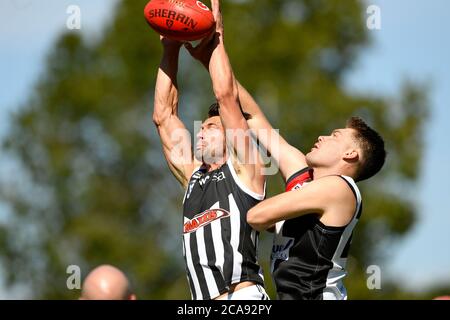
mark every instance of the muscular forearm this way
{"type": "Point", "coordinates": [288, 158]}
{"type": "Point", "coordinates": [166, 90]}
{"type": "Point", "coordinates": [223, 80]}
{"type": "Point", "coordinates": [258, 123]}
{"type": "Point", "coordinates": [250, 106]}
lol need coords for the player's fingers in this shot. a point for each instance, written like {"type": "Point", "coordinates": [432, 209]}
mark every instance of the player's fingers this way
{"type": "Point", "coordinates": [189, 47]}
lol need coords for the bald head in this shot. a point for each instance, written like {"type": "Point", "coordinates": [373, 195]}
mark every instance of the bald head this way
{"type": "Point", "coordinates": [442, 298]}
{"type": "Point", "coordinates": [106, 283]}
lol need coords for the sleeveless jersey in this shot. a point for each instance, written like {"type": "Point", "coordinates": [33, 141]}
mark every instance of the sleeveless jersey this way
{"type": "Point", "coordinates": [308, 259]}
{"type": "Point", "coordinates": [219, 246]}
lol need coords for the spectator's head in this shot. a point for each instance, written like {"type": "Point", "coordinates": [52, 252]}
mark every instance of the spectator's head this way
{"type": "Point", "coordinates": [442, 298]}
{"type": "Point", "coordinates": [106, 283]}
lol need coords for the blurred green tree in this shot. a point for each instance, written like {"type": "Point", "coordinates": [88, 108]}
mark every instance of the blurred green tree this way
{"type": "Point", "coordinates": [91, 185]}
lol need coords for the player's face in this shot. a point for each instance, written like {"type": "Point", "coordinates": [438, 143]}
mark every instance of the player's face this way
{"type": "Point", "coordinates": [210, 147]}
{"type": "Point", "coordinates": [330, 150]}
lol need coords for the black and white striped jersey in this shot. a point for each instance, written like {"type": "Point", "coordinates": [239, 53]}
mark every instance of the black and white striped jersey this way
{"type": "Point", "coordinates": [219, 246]}
{"type": "Point", "coordinates": [309, 258]}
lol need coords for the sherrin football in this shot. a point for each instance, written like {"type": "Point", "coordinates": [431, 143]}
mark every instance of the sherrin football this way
{"type": "Point", "coordinates": [182, 20]}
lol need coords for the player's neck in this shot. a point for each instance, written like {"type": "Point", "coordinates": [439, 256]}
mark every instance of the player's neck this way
{"type": "Point", "coordinates": [321, 172]}
{"type": "Point", "coordinates": [216, 165]}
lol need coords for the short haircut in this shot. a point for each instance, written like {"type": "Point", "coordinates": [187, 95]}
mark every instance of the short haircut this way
{"type": "Point", "coordinates": [214, 111]}
{"type": "Point", "coordinates": [372, 146]}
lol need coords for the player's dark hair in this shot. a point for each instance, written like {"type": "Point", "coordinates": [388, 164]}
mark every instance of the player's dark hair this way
{"type": "Point", "coordinates": [372, 145]}
{"type": "Point", "coordinates": [214, 111]}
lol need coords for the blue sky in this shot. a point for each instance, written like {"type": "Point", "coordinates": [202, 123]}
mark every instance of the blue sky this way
{"type": "Point", "coordinates": [412, 44]}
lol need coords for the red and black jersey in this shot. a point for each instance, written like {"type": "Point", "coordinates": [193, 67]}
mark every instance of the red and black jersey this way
{"type": "Point", "coordinates": [297, 180]}
{"type": "Point", "coordinates": [309, 258]}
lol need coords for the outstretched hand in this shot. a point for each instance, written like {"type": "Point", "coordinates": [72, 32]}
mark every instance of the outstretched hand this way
{"type": "Point", "coordinates": [203, 51]}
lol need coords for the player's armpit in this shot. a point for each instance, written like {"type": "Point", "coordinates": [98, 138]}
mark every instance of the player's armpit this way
{"type": "Point", "coordinates": [177, 149]}
{"type": "Point", "coordinates": [290, 160]}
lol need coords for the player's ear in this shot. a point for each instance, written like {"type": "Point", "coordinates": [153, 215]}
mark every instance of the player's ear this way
{"type": "Point", "coordinates": [351, 155]}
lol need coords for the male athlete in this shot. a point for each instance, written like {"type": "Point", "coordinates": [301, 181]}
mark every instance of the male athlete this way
{"type": "Point", "coordinates": [314, 222]}
{"type": "Point", "coordinates": [223, 180]}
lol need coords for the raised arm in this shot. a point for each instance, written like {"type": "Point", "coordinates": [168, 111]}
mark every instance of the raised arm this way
{"type": "Point", "coordinates": [175, 138]}
{"type": "Point", "coordinates": [290, 160]}
{"type": "Point", "coordinates": [226, 91]}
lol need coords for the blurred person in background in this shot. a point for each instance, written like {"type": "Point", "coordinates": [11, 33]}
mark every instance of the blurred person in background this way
{"type": "Point", "coordinates": [106, 283]}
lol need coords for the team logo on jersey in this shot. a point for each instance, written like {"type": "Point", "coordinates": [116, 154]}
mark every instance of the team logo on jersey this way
{"type": "Point", "coordinates": [203, 181]}
{"type": "Point", "coordinates": [280, 250]}
{"type": "Point", "coordinates": [219, 176]}
{"type": "Point", "coordinates": [203, 219]}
